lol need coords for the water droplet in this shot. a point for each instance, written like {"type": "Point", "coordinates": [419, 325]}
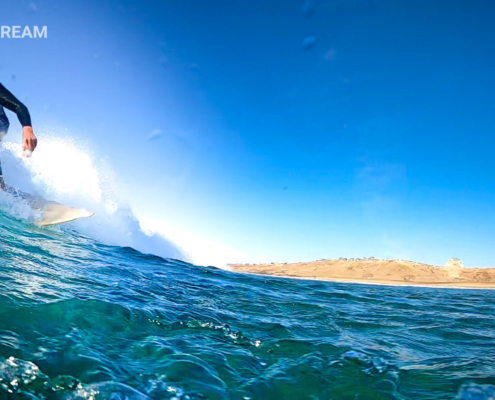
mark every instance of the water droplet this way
{"type": "Point", "coordinates": [155, 134]}
{"type": "Point", "coordinates": [309, 42]}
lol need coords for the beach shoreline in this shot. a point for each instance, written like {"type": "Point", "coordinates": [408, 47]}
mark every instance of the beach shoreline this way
{"type": "Point", "coordinates": [373, 271]}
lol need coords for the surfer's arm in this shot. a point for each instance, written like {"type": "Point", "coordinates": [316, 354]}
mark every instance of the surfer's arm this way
{"type": "Point", "coordinates": [10, 102]}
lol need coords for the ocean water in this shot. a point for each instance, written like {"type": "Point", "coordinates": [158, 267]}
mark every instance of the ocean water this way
{"type": "Point", "coordinates": [102, 309]}
{"type": "Point", "coordinates": [83, 320]}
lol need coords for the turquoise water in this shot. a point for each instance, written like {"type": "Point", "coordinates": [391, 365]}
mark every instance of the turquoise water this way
{"type": "Point", "coordinates": [83, 320]}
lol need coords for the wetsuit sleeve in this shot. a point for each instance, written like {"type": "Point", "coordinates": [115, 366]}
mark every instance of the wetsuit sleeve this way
{"type": "Point", "coordinates": [10, 102]}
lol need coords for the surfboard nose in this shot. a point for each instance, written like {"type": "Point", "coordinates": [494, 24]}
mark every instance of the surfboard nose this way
{"type": "Point", "coordinates": [54, 213]}
{"type": "Point", "coordinates": [86, 213]}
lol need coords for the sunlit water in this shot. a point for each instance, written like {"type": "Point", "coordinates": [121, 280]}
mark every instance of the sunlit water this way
{"type": "Point", "coordinates": [84, 320]}
{"type": "Point", "coordinates": [83, 315]}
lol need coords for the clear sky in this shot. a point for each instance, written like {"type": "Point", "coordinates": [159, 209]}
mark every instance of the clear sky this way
{"type": "Point", "coordinates": [285, 130]}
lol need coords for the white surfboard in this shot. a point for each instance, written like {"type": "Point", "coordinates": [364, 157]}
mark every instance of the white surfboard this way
{"type": "Point", "coordinates": [51, 213]}
{"type": "Point", "coordinates": [54, 213]}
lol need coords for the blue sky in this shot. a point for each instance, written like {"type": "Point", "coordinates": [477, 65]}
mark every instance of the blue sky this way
{"type": "Point", "coordinates": [289, 131]}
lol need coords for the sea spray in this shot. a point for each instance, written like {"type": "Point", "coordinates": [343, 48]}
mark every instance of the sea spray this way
{"type": "Point", "coordinates": [67, 173]}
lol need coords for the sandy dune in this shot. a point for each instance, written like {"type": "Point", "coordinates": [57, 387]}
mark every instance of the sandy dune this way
{"type": "Point", "coordinates": [371, 270]}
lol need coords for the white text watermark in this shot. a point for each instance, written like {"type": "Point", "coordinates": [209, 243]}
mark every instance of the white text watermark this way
{"type": "Point", "coordinates": [22, 32]}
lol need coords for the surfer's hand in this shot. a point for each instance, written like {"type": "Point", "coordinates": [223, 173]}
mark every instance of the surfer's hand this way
{"type": "Point", "coordinates": [29, 140]}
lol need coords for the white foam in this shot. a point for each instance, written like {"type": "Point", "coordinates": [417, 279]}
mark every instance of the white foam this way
{"type": "Point", "coordinates": [27, 153]}
{"type": "Point", "coordinates": [199, 250]}
{"type": "Point", "coordinates": [62, 171]}
{"type": "Point", "coordinates": [16, 208]}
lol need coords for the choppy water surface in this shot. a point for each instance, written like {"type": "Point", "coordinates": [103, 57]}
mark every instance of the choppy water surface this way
{"type": "Point", "coordinates": [82, 320]}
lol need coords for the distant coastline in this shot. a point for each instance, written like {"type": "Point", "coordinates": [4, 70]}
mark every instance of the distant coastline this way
{"type": "Point", "coordinates": [379, 272]}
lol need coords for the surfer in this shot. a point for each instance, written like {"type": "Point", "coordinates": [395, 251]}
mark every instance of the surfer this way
{"type": "Point", "coordinates": [51, 213]}
{"type": "Point", "coordinates": [10, 102]}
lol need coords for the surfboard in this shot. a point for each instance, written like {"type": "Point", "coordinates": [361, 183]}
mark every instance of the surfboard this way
{"type": "Point", "coordinates": [52, 213]}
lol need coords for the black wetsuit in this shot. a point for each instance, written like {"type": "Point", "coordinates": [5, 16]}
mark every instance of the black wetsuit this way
{"type": "Point", "coordinates": [10, 102]}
